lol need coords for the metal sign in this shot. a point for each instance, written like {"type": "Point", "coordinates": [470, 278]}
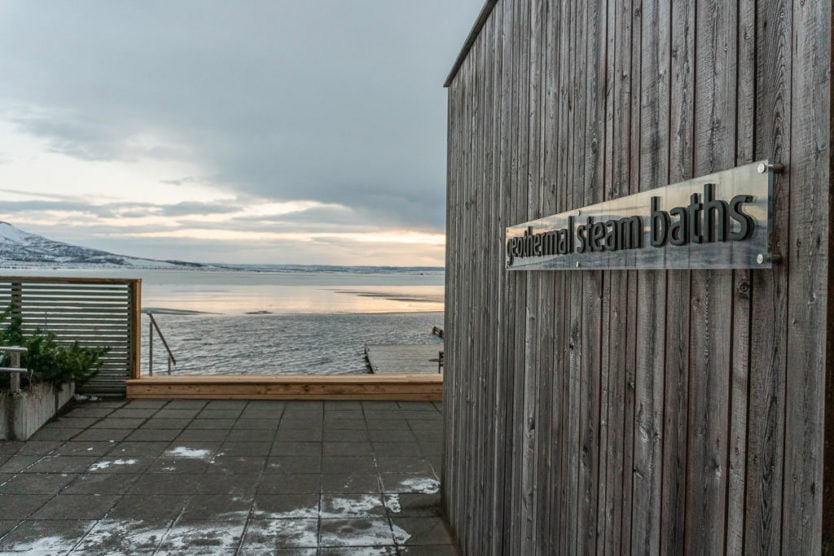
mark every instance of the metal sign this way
{"type": "Point", "coordinates": [718, 221]}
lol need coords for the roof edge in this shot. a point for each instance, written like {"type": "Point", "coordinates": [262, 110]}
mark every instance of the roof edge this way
{"type": "Point", "coordinates": [470, 40]}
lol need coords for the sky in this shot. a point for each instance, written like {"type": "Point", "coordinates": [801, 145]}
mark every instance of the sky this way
{"type": "Point", "coordinates": [263, 132]}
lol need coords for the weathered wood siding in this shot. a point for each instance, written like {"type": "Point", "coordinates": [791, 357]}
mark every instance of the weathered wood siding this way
{"type": "Point", "coordinates": [637, 411]}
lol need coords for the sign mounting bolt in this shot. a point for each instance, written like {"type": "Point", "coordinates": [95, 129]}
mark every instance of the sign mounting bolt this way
{"type": "Point", "coordinates": [775, 167]}
{"type": "Point", "coordinates": [763, 258]}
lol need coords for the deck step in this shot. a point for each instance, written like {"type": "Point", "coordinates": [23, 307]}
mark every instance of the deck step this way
{"type": "Point", "coordinates": [394, 387]}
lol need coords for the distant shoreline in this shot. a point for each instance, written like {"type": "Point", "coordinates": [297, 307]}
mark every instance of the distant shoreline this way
{"type": "Point", "coordinates": [212, 267]}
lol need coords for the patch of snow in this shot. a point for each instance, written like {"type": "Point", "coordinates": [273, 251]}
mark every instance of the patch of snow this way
{"type": "Point", "coordinates": [261, 535]}
{"type": "Point", "coordinates": [297, 513]}
{"type": "Point", "coordinates": [360, 505]}
{"type": "Point", "coordinates": [421, 485]}
{"type": "Point", "coordinates": [372, 551]}
{"type": "Point", "coordinates": [122, 536]}
{"type": "Point", "coordinates": [98, 466]}
{"type": "Point", "coordinates": [42, 545]}
{"type": "Point", "coordinates": [358, 532]}
{"type": "Point", "coordinates": [392, 502]}
{"type": "Point", "coordinates": [184, 452]}
{"type": "Point", "coordinates": [217, 538]}
{"type": "Point", "coordinates": [400, 534]}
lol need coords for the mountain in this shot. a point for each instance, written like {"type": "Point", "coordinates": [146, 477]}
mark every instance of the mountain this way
{"type": "Point", "coordinates": [22, 249]}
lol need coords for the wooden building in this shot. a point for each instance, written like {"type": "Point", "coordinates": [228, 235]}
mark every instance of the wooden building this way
{"type": "Point", "coordinates": [650, 411]}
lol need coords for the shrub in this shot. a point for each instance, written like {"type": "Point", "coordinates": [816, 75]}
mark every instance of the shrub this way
{"type": "Point", "coordinates": [48, 359]}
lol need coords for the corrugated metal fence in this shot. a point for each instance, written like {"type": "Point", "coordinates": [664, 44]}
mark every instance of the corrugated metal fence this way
{"type": "Point", "coordinates": [96, 312]}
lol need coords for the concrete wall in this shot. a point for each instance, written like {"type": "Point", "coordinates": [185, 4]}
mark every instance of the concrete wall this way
{"type": "Point", "coordinates": [21, 415]}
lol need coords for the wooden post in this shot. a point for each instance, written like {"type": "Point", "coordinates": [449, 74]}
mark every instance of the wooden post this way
{"type": "Point", "coordinates": [135, 334]}
{"type": "Point", "coordinates": [14, 378]}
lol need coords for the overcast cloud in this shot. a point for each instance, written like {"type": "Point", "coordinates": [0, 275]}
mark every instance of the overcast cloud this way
{"type": "Point", "coordinates": [120, 119]}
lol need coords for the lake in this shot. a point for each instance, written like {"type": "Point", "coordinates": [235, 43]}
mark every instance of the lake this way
{"type": "Point", "coordinates": [315, 320]}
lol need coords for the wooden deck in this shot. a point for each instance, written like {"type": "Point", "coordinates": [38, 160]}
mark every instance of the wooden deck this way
{"type": "Point", "coordinates": [394, 387]}
{"type": "Point", "coordinates": [402, 359]}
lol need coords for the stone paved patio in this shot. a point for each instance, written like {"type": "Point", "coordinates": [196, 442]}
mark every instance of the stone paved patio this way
{"type": "Point", "coordinates": [227, 477]}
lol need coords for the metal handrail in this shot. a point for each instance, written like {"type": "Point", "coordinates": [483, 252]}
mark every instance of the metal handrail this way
{"type": "Point", "coordinates": [15, 370]}
{"type": "Point", "coordinates": [171, 359]}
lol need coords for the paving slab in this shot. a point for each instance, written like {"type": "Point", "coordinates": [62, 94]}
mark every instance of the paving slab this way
{"type": "Point", "coordinates": [46, 537]}
{"type": "Point", "coordinates": [263, 536]}
{"type": "Point", "coordinates": [218, 507]}
{"type": "Point", "coordinates": [36, 483]}
{"type": "Point", "coordinates": [421, 531]}
{"type": "Point", "coordinates": [355, 532]}
{"type": "Point", "coordinates": [80, 448]}
{"type": "Point", "coordinates": [76, 506]}
{"type": "Point", "coordinates": [38, 447]}
{"type": "Point", "coordinates": [125, 536]}
{"type": "Point", "coordinates": [207, 537]}
{"type": "Point", "coordinates": [50, 433]}
{"type": "Point", "coordinates": [197, 476]}
{"type": "Point", "coordinates": [100, 483]}
{"type": "Point", "coordinates": [143, 507]}
{"type": "Point", "coordinates": [350, 483]}
{"type": "Point", "coordinates": [293, 464]}
{"type": "Point", "coordinates": [20, 506]}
{"type": "Point", "coordinates": [287, 506]}
{"type": "Point", "coordinates": [61, 464]}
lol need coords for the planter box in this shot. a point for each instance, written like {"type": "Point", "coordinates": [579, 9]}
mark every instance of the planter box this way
{"type": "Point", "coordinates": [22, 414]}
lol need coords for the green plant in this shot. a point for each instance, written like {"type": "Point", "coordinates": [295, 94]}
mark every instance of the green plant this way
{"type": "Point", "coordinates": [48, 359]}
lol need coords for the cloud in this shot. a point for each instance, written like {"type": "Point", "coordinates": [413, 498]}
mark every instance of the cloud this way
{"type": "Point", "coordinates": [337, 104]}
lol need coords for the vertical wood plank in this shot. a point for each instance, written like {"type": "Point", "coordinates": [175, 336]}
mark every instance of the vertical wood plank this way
{"type": "Point", "coordinates": [503, 393]}
{"type": "Point", "coordinates": [576, 180]}
{"type": "Point", "coordinates": [606, 355]}
{"type": "Point", "coordinates": [768, 349]}
{"type": "Point", "coordinates": [618, 330]}
{"type": "Point", "coordinates": [651, 325]}
{"type": "Point", "coordinates": [519, 307]}
{"type": "Point", "coordinates": [740, 354]}
{"type": "Point", "coordinates": [532, 181]}
{"type": "Point", "coordinates": [677, 380]}
{"type": "Point", "coordinates": [498, 406]}
{"type": "Point", "coordinates": [632, 322]}
{"type": "Point", "coordinates": [494, 266]}
{"type": "Point", "coordinates": [808, 274]}
{"type": "Point", "coordinates": [711, 326]}
{"type": "Point", "coordinates": [547, 338]}
{"type": "Point", "coordinates": [593, 86]}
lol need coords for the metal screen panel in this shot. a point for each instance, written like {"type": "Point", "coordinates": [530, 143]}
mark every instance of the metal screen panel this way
{"type": "Point", "coordinates": [93, 313]}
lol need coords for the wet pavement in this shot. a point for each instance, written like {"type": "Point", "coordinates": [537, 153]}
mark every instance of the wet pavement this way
{"type": "Point", "coordinates": [227, 477]}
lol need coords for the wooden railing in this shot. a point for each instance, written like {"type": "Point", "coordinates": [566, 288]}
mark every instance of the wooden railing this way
{"type": "Point", "coordinates": [95, 312]}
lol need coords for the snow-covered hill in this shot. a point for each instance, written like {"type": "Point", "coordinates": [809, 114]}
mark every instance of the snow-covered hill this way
{"type": "Point", "coordinates": [22, 249]}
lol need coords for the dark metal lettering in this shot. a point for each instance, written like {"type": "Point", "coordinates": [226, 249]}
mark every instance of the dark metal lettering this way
{"type": "Point", "coordinates": [659, 224]}
{"type": "Point", "coordinates": [746, 222]}
{"type": "Point", "coordinates": [678, 230]}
